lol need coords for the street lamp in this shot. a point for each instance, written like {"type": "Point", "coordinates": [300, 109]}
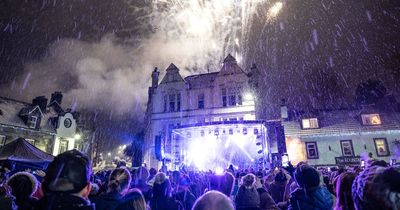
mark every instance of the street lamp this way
{"type": "Point", "coordinates": [109, 154]}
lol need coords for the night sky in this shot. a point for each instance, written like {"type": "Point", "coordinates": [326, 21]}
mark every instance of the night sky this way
{"type": "Point", "coordinates": [313, 45]}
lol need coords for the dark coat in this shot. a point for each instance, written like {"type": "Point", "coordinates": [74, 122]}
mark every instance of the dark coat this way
{"type": "Point", "coordinates": [26, 203]}
{"type": "Point", "coordinates": [186, 198]}
{"type": "Point", "coordinates": [266, 201]}
{"type": "Point", "coordinates": [107, 201]}
{"type": "Point", "coordinates": [165, 203]}
{"type": "Point", "coordinates": [277, 190]}
{"type": "Point", "coordinates": [318, 198]}
{"type": "Point", "coordinates": [7, 203]}
{"type": "Point", "coordinates": [64, 202]}
{"type": "Point", "coordinates": [247, 198]}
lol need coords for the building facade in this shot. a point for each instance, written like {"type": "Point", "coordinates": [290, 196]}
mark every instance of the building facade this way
{"type": "Point", "coordinates": [201, 109]}
{"type": "Point", "coordinates": [342, 137]}
{"type": "Point", "coordinates": [45, 125]}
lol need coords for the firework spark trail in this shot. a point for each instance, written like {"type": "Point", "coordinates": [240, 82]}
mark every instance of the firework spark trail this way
{"type": "Point", "coordinates": [204, 30]}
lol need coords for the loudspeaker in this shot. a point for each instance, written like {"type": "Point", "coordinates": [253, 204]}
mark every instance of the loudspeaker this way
{"type": "Point", "coordinates": [157, 147]}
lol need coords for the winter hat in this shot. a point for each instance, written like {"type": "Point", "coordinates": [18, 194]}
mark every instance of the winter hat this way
{"type": "Point", "coordinates": [306, 176]}
{"type": "Point", "coordinates": [249, 180]}
{"type": "Point", "coordinates": [69, 173]}
{"type": "Point", "coordinates": [23, 184]}
{"type": "Point", "coordinates": [280, 177]}
{"type": "Point", "coordinates": [162, 186]}
{"type": "Point", "coordinates": [377, 188]}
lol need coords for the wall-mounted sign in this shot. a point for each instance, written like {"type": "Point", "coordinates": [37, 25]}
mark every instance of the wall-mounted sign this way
{"type": "Point", "coordinates": [356, 160]}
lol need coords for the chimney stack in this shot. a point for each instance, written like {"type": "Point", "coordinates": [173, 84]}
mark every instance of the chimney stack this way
{"type": "Point", "coordinates": [56, 97]}
{"type": "Point", "coordinates": [40, 101]}
{"type": "Point", "coordinates": [154, 78]}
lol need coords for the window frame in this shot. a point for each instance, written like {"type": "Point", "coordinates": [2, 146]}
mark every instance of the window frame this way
{"type": "Point", "coordinates": [351, 146]}
{"type": "Point", "coordinates": [386, 147]}
{"type": "Point", "coordinates": [201, 101]}
{"type": "Point", "coordinates": [2, 140]}
{"type": "Point", "coordinates": [309, 120]}
{"type": "Point", "coordinates": [316, 149]}
{"type": "Point", "coordinates": [364, 118]}
{"type": "Point", "coordinates": [171, 103]}
{"type": "Point", "coordinates": [30, 122]}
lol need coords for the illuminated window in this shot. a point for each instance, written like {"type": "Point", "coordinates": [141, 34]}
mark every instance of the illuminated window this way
{"type": "Point", "coordinates": [381, 147]}
{"type": "Point", "coordinates": [309, 123]}
{"type": "Point", "coordinates": [32, 122]}
{"type": "Point", "coordinates": [347, 148]}
{"type": "Point", "coordinates": [31, 141]}
{"type": "Point", "coordinates": [312, 150]}
{"type": "Point", "coordinates": [371, 119]}
{"type": "Point", "coordinates": [63, 146]}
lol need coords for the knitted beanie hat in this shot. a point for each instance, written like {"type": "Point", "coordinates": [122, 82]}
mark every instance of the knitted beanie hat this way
{"type": "Point", "coordinates": [377, 188]}
{"type": "Point", "coordinates": [23, 184]}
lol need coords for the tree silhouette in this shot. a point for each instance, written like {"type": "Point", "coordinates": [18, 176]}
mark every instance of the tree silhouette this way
{"type": "Point", "coordinates": [370, 92]}
{"type": "Point", "coordinates": [135, 149]}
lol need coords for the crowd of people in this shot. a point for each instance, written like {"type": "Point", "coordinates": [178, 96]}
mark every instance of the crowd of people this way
{"type": "Point", "coordinates": [68, 183]}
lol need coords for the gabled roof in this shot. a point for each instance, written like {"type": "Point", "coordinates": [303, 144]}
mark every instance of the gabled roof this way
{"type": "Point", "coordinates": [172, 75]}
{"type": "Point", "coordinates": [10, 114]}
{"type": "Point", "coordinates": [10, 109]}
{"type": "Point", "coordinates": [342, 122]}
{"type": "Point", "coordinates": [201, 80]}
{"type": "Point", "coordinates": [230, 67]}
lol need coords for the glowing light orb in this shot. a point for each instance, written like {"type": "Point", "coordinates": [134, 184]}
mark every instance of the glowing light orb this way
{"type": "Point", "coordinates": [274, 10]}
{"type": "Point", "coordinates": [219, 171]}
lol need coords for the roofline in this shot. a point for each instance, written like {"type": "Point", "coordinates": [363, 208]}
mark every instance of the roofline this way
{"type": "Point", "coordinates": [196, 75]}
{"type": "Point", "coordinates": [14, 100]}
{"type": "Point", "coordinates": [221, 123]}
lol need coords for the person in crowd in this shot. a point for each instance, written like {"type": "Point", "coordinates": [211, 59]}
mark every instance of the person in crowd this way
{"type": "Point", "coordinates": [277, 188]}
{"type": "Point", "coordinates": [213, 200]}
{"type": "Point", "coordinates": [328, 184]}
{"type": "Point", "coordinates": [23, 185]}
{"type": "Point", "coordinates": [162, 198]}
{"type": "Point", "coordinates": [344, 200]}
{"type": "Point", "coordinates": [223, 183]}
{"type": "Point", "coordinates": [152, 173]}
{"type": "Point", "coordinates": [310, 195]}
{"type": "Point", "coordinates": [66, 185]}
{"type": "Point", "coordinates": [247, 197]}
{"type": "Point", "coordinates": [118, 184]}
{"type": "Point", "coordinates": [140, 177]}
{"type": "Point", "coordinates": [7, 201]}
{"type": "Point", "coordinates": [183, 194]}
{"type": "Point", "coordinates": [133, 200]}
{"type": "Point", "coordinates": [266, 201]}
{"type": "Point", "coordinates": [6, 168]}
{"type": "Point", "coordinates": [377, 187]}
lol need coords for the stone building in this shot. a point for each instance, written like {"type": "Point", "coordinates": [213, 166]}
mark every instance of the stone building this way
{"type": "Point", "coordinates": [45, 124]}
{"type": "Point", "coordinates": [213, 112]}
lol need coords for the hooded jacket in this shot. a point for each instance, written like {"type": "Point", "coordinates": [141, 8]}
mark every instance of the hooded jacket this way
{"type": "Point", "coordinates": [318, 198]}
